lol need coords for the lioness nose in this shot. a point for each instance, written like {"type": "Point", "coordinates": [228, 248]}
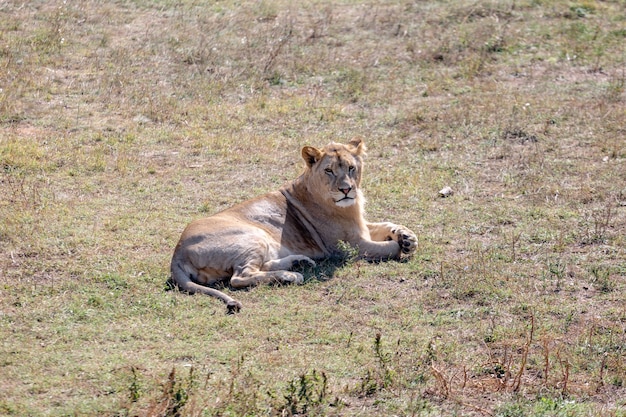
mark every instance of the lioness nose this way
{"type": "Point", "coordinates": [345, 190]}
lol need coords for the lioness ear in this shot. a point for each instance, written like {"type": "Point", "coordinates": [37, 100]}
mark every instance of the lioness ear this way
{"type": "Point", "coordinates": [358, 145]}
{"type": "Point", "coordinates": [311, 155]}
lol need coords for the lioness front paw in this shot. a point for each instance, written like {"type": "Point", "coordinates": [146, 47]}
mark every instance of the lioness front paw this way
{"type": "Point", "coordinates": [406, 239]}
{"type": "Point", "coordinates": [289, 277]}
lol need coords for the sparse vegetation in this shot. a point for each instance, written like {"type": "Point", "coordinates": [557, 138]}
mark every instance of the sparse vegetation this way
{"type": "Point", "coordinates": [122, 121]}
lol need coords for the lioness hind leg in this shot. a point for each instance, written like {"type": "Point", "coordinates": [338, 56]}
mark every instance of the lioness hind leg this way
{"type": "Point", "coordinates": [286, 263]}
{"type": "Point", "coordinates": [182, 278]}
{"type": "Point", "coordinates": [271, 271]}
{"type": "Point", "coordinates": [249, 278]}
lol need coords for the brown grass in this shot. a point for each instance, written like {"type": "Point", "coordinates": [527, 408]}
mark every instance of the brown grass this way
{"type": "Point", "coordinates": [120, 122]}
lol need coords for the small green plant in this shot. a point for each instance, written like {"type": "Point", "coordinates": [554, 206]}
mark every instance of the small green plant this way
{"type": "Point", "coordinates": [134, 390]}
{"type": "Point", "coordinates": [597, 225]}
{"type": "Point", "coordinates": [512, 409]}
{"type": "Point", "coordinates": [379, 377]}
{"type": "Point", "coordinates": [617, 86]}
{"type": "Point", "coordinates": [353, 83]}
{"type": "Point", "coordinates": [175, 395]}
{"type": "Point", "coordinates": [554, 274]}
{"type": "Point", "coordinates": [583, 10]}
{"type": "Point", "coordinates": [305, 393]}
{"type": "Point", "coordinates": [601, 278]}
{"type": "Point", "coordinates": [346, 252]}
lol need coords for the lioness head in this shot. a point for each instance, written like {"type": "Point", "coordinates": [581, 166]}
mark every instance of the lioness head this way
{"type": "Point", "coordinates": [335, 171]}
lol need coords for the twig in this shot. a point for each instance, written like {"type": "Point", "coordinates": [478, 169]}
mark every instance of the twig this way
{"type": "Point", "coordinates": [518, 378]}
{"type": "Point", "coordinates": [442, 381]}
{"type": "Point", "coordinates": [601, 377]}
{"type": "Point", "coordinates": [546, 360]}
{"type": "Point", "coordinates": [477, 408]}
{"type": "Point", "coordinates": [282, 41]}
{"type": "Point", "coordinates": [565, 371]}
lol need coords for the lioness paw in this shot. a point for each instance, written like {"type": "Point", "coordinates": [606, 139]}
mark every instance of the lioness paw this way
{"type": "Point", "coordinates": [233, 307]}
{"type": "Point", "coordinates": [406, 239]}
{"type": "Point", "coordinates": [289, 277]}
{"type": "Point", "coordinates": [303, 261]}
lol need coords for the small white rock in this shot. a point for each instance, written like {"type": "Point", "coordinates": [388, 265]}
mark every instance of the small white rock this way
{"type": "Point", "coordinates": [446, 192]}
{"type": "Point", "coordinates": [141, 119]}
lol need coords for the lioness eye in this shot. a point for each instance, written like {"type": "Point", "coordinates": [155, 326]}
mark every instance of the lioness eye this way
{"type": "Point", "coordinates": [328, 170]}
{"type": "Point", "coordinates": [351, 168]}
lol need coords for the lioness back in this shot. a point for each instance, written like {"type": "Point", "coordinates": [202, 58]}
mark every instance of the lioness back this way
{"type": "Point", "coordinates": [259, 240]}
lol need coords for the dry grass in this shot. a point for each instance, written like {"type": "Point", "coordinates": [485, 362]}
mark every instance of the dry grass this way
{"type": "Point", "coordinates": [122, 121]}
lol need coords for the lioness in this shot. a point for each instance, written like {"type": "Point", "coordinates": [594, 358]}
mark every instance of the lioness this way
{"type": "Point", "coordinates": [259, 240]}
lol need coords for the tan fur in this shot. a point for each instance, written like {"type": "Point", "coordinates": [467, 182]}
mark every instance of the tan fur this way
{"type": "Point", "coordinates": [259, 240]}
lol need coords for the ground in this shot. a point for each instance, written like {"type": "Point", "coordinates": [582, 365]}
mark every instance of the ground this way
{"type": "Point", "coordinates": [120, 122]}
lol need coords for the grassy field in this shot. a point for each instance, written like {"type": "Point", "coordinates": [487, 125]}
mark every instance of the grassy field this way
{"type": "Point", "coordinates": [122, 121]}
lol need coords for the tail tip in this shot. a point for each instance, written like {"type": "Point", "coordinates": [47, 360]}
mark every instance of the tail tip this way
{"type": "Point", "coordinates": [233, 307]}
